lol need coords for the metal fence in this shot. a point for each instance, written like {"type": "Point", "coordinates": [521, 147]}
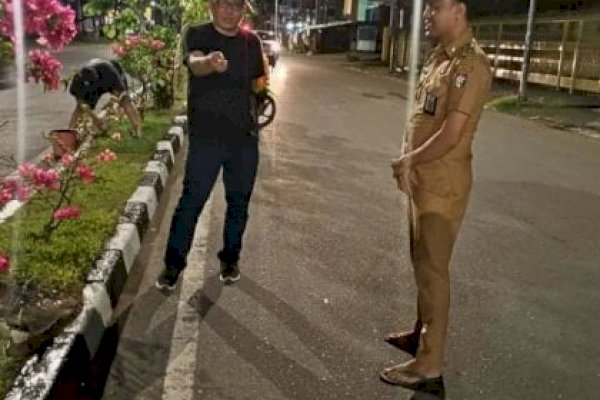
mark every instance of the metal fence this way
{"type": "Point", "coordinates": [565, 52]}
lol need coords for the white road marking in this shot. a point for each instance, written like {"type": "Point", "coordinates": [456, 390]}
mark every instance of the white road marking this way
{"type": "Point", "coordinates": [179, 379]}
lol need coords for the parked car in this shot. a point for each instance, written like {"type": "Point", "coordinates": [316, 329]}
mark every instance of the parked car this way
{"type": "Point", "coordinates": [271, 46]}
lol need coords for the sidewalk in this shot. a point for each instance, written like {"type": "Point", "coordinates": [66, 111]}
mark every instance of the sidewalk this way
{"type": "Point", "coordinates": [578, 113]}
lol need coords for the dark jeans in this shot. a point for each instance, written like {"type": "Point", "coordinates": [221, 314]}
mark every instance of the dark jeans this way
{"type": "Point", "coordinates": [239, 159]}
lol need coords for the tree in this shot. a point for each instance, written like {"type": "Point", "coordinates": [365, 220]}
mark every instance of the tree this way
{"type": "Point", "coordinates": [129, 15]}
{"type": "Point", "coordinates": [53, 24]}
{"type": "Point", "coordinates": [194, 12]}
{"type": "Point", "coordinates": [54, 27]}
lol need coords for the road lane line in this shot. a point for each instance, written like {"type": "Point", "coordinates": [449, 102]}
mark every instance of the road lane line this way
{"type": "Point", "coordinates": [179, 379]}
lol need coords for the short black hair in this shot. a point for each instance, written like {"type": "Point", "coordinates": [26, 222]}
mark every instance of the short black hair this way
{"type": "Point", "coordinates": [89, 74]}
{"type": "Point", "coordinates": [467, 3]}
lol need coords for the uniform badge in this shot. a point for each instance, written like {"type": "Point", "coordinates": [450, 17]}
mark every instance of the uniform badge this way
{"type": "Point", "coordinates": [430, 104]}
{"type": "Point", "coordinates": [460, 81]}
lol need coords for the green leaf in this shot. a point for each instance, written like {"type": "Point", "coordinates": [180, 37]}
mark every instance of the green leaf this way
{"type": "Point", "coordinates": [110, 32]}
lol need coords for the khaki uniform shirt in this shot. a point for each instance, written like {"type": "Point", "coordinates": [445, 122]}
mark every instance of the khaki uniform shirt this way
{"type": "Point", "coordinates": [456, 77]}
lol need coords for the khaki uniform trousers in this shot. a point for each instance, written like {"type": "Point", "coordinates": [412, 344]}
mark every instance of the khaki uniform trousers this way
{"type": "Point", "coordinates": [435, 220]}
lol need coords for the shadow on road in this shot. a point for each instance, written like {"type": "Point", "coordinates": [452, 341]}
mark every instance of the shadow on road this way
{"type": "Point", "coordinates": [291, 378]}
{"type": "Point", "coordinates": [426, 396]}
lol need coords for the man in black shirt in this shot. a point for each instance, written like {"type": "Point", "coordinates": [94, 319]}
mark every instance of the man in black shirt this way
{"type": "Point", "coordinates": [93, 80]}
{"type": "Point", "coordinates": [223, 62]}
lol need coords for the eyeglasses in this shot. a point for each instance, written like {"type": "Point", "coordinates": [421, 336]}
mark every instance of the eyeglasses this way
{"type": "Point", "coordinates": [236, 5]}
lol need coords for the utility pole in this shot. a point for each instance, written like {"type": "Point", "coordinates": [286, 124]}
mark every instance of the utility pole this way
{"type": "Point", "coordinates": [392, 30]}
{"type": "Point", "coordinates": [527, 52]}
{"type": "Point", "coordinates": [276, 21]}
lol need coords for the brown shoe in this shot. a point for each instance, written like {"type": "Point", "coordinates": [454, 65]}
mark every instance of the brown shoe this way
{"type": "Point", "coordinates": [408, 342]}
{"type": "Point", "coordinates": [403, 376]}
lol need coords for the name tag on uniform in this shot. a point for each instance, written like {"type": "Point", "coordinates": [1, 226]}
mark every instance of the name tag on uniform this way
{"type": "Point", "coordinates": [430, 104]}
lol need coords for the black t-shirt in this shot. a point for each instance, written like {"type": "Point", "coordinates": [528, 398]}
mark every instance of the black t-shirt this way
{"type": "Point", "coordinates": [220, 104]}
{"type": "Point", "coordinates": [96, 78]}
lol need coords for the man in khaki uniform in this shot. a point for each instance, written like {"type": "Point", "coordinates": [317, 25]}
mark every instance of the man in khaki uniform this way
{"type": "Point", "coordinates": [435, 172]}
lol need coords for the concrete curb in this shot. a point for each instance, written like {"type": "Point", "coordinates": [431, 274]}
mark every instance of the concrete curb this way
{"type": "Point", "coordinates": [73, 349]}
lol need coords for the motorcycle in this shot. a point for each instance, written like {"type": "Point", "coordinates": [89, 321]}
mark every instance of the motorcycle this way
{"type": "Point", "coordinates": [265, 101]}
{"type": "Point", "coordinates": [266, 109]}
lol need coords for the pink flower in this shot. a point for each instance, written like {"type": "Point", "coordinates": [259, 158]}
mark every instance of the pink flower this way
{"type": "Point", "coordinates": [107, 156]}
{"type": "Point", "coordinates": [53, 22]}
{"type": "Point", "coordinates": [26, 169]}
{"type": "Point", "coordinates": [119, 50]}
{"type": "Point", "coordinates": [157, 44]}
{"type": "Point", "coordinates": [6, 195]}
{"type": "Point", "coordinates": [46, 178]}
{"type": "Point", "coordinates": [13, 189]}
{"type": "Point", "coordinates": [9, 184]}
{"type": "Point", "coordinates": [59, 29]}
{"type": "Point", "coordinates": [4, 263]}
{"type": "Point", "coordinates": [69, 212]}
{"type": "Point", "coordinates": [43, 67]}
{"type": "Point", "coordinates": [6, 23]}
{"type": "Point", "coordinates": [133, 40]}
{"type": "Point", "coordinates": [22, 193]}
{"type": "Point", "coordinates": [39, 177]}
{"type": "Point", "coordinates": [67, 160]}
{"type": "Point", "coordinates": [86, 174]}
{"type": "Point", "coordinates": [52, 175]}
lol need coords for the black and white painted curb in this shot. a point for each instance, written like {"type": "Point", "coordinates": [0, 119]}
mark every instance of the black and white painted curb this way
{"type": "Point", "coordinates": [77, 344]}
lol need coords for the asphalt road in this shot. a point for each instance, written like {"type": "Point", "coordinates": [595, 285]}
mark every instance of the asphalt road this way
{"type": "Point", "coordinates": [44, 110]}
{"type": "Point", "coordinates": [326, 273]}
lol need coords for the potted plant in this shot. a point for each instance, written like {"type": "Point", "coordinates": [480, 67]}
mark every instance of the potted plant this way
{"type": "Point", "coordinates": [63, 141]}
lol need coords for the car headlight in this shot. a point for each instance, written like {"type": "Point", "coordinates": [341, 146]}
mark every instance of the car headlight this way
{"type": "Point", "coordinates": [276, 47]}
